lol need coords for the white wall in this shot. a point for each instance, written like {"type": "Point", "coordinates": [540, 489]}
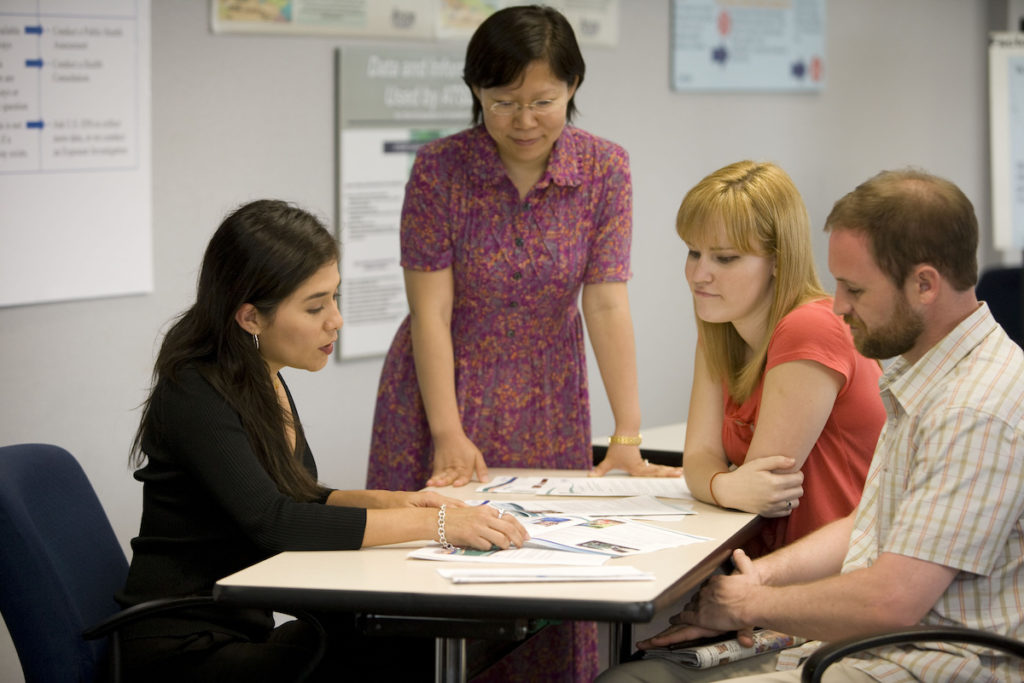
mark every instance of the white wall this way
{"type": "Point", "coordinates": [239, 117]}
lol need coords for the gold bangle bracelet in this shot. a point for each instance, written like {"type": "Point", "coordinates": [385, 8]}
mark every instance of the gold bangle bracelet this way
{"type": "Point", "coordinates": [625, 440]}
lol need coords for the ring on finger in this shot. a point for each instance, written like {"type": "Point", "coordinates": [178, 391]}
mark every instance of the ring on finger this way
{"type": "Point", "coordinates": [789, 505]}
{"type": "Point", "coordinates": [501, 513]}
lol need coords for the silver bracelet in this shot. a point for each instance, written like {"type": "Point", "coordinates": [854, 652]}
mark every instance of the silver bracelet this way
{"type": "Point", "coordinates": [441, 538]}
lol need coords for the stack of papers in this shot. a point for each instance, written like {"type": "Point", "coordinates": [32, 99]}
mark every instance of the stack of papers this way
{"type": "Point", "coordinates": [575, 527]}
{"type": "Point", "coordinates": [574, 537]}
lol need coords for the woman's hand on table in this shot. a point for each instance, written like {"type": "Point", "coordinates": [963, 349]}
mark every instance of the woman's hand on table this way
{"type": "Point", "coordinates": [456, 461]}
{"type": "Point", "coordinates": [628, 459]}
{"type": "Point", "coordinates": [764, 485]}
{"type": "Point", "coordinates": [483, 527]}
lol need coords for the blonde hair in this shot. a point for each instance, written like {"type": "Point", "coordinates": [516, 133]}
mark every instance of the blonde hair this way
{"type": "Point", "coordinates": [762, 213]}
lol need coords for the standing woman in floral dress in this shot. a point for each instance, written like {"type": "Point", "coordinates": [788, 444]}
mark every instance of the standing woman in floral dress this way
{"type": "Point", "coordinates": [503, 225]}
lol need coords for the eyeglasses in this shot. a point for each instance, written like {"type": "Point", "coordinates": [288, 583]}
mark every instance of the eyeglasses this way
{"type": "Point", "coordinates": [537, 107]}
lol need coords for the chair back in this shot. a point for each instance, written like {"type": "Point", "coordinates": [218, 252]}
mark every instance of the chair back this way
{"type": "Point", "coordinates": [60, 563]}
{"type": "Point", "coordinates": [1003, 290]}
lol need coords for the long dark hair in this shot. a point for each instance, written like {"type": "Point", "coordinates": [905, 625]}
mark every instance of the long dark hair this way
{"type": "Point", "coordinates": [507, 41]}
{"type": "Point", "coordinates": [260, 254]}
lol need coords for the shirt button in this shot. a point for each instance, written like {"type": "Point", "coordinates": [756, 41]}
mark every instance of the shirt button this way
{"type": "Point", "coordinates": [517, 276]}
{"type": "Point", "coordinates": [519, 241]}
{"type": "Point", "coordinates": [513, 304]}
{"type": "Point", "coordinates": [510, 333]}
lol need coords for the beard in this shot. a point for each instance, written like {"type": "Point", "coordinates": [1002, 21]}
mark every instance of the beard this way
{"type": "Point", "coordinates": [898, 335]}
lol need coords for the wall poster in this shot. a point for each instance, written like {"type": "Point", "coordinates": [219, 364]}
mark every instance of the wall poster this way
{"type": "Point", "coordinates": [748, 45]}
{"type": "Point", "coordinates": [594, 21]}
{"type": "Point", "coordinates": [75, 178]}
{"type": "Point", "coordinates": [390, 101]}
{"type": "Point", "coordinates": [1006, 100]}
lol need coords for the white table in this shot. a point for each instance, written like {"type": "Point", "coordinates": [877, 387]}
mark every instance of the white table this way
{"type": "Point", "coordinates": [382, 581]}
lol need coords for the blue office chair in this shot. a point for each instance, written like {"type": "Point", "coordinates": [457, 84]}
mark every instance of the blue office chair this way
{"type": "Point", "coordinates": [829, 654]}
{"type": "Point", "coordinates": [1003, 290]}
{"type": "Point", "coordinates": [60, 564]}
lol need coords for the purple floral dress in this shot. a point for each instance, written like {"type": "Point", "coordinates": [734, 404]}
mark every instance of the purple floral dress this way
{"type": "Point", "coordinates": [518, 267]}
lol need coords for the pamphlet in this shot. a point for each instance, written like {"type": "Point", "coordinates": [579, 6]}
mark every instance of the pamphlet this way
{"type": "Point", "coordinates": [555, 537]}
{"type": "Point", "coordinates": [614, 536]}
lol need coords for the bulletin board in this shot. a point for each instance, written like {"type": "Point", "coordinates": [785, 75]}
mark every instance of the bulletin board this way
{"type": "Point", "coordinates": [391, 100]}
{"type": "Point", "coordinates": [748, 45]}
{"type": "Point", "coordinates": [595, 22]}
{"type": "Point", "coordinates": [1006, 99]}
{"type": "Point", "coordinates": [75, 177]}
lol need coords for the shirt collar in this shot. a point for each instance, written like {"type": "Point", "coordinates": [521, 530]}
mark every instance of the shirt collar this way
{"type": "Point", "coordinates": [562, 164]}
{"type": "Point", "coordinates": [908, 384]}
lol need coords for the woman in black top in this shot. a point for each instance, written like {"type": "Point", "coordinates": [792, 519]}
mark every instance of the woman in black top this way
{"type": "Point", "coordinates": [228, 478]}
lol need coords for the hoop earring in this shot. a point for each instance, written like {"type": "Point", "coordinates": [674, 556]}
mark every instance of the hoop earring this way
{"type": "Point", "coordinates": [256, 340]}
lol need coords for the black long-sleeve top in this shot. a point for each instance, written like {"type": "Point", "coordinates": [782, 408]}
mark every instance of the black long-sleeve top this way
{"type": "Point", "coordinates": [209, 508]}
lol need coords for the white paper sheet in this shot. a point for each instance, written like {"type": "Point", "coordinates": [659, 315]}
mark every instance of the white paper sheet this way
{"type": "Point", "coordinates": [633, 506]}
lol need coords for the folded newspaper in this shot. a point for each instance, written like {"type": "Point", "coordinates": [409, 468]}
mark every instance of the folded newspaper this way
{"type": "Point", "coordinates": [712, 654]}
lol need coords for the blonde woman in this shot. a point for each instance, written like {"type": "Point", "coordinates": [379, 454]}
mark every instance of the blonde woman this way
{"type": "Point", "coordinates": [784, 412]}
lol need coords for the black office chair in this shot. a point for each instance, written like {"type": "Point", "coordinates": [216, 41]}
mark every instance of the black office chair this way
{"type": "Point", "coordinates": [60, 564]}
{"type": "Point", "coordinates": [831, 653]}
{"type": "Point", "coordinates": [1003, 290]}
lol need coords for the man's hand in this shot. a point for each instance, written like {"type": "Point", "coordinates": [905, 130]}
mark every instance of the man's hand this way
{"type": "Point", "coordinates": [716, 608]}
{"type": "Point", "coordinates": [720, 604]}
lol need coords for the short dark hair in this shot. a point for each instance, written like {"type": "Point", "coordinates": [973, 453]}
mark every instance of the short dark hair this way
{"type": "Point", "coordinates": [912, 217]}
{"type": "Point", "coordinates": [510, 39]}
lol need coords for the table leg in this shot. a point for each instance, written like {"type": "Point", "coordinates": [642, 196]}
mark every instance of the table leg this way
{"type": "Point", "coordinates": [450, 660]}
{"type": "Point", "coordinates": [614, 643]}
{"type": "Point", "coordinates": [620, 645]}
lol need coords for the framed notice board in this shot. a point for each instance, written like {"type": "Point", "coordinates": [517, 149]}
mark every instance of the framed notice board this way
{"type": "Point", "coordinates": [1006, 98]}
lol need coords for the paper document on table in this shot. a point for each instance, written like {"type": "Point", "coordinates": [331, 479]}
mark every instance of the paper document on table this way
{"type": "Point", "coordinates": [606, 535]}
{"type": "Point", "coordinates": [633, 506]}
{"type": "Point", "coordinates": [556, 538]}
{"type": "Point", "coordinates": [527, 575]}
{"type": "Point", "coordinates": [512, 556]}
{"type": "Point", "coordinates": [534, 485]}
{"type": "Point", "coordinates": [674, 487]}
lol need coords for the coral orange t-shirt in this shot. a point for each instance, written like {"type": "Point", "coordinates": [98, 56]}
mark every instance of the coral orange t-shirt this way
{"type": "Point", "coordinates": [834, 471]}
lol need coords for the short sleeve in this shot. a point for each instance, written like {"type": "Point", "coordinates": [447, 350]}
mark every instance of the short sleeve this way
{"type": "Point", "coordinates": [608, 260]}
{"type": "Point", "coordinates": [813, 332]}
{"type": "Point", "coordinates": [426, 229]}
